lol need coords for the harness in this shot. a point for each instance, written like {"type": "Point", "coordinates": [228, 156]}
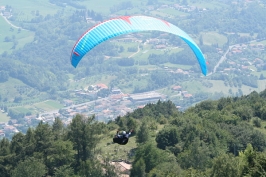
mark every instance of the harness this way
{"type": "Point", "coordinates": [121, 141]}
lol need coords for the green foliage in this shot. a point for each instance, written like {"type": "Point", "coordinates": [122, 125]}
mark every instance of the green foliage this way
{"type": "Point", "coordinates": [152, 156]}
{"type": "Point", "coordinates": [167, 109]}
{"type": "Point", "coordinates": [213, 138]}
{"type": "Point", "coordinates": [138, 169]}
{"type": "Point", "coordinates": [253, 163]}
{"type": "Point", "coordinates": [61, 153]}
{"type": "Point", "coordinates": [143, 134]}
{"type": "Point", "coordinates": [83, 136]}
{"type": "Point", "coordinates": [199, 136]}
{"type": "Point", "coordinates": [166, 169]}
{"type": "Point", "coordinates": [225, 165]}
{"type": "Point", "coordinates": [64, 171]}
{"type": "Point", "coordinates": [257, 122]}
{"type": "Point", "coordinates": [126, 123]}
{"type": "Point", "coordinates": [55, 150]}
{"type": "Point", "coordinates": [197, 155]}
{"type": "Point", "coordinates": [90, 168]}
{"type": "Point", "coordinates": [167, 137]}
{"type": "Point", "coordinates": [125, 62]}
{"type": "Point", "coordinates": [29, 168]}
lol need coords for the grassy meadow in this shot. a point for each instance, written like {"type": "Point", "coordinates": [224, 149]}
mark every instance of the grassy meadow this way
{"type": "Point", "coordinates": [4, 117]}
{"type": "Point", "coordinates": [26, 9]}
{"type": "Point", "coordinates": [21, 36]}
{"type": "Point", "coordinates": [210, 38]}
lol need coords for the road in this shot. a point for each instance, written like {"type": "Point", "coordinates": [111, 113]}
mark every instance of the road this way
{"type": "Point", "coordinates": [223, 58]}
{"type": "Point", "coordinates": [14, 26]}
{"type": "Point", "coordinates": [135, 52]}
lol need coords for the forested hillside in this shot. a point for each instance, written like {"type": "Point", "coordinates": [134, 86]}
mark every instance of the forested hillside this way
{"type": "Point", "coordinates": [43, 63]}
{"type": "Point", "coordinates": [214, 138]}
{"type": "Point", "coordinates": [36, 66]}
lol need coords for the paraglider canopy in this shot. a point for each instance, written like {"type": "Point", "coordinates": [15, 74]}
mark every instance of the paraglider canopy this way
{"type": "Point", "coordinates": [129, 24]}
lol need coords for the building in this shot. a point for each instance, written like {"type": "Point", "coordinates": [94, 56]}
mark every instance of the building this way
{"type": "Point", "coordinates": [81, 109]}
{"type": "Point", "coordinates": [68, 102]}
{"type": "Point", "coordinates": [150, 96]}
{"type": "Point", "coordinates": [116, 91]}
{"type": "Point", "coordinates": [176, 88]}
{"type": "Point", "coordinates": [102, 86]}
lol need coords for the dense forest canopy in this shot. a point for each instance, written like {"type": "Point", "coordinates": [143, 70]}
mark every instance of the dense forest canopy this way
{"type": "Point", "coordinates": [196, 141]}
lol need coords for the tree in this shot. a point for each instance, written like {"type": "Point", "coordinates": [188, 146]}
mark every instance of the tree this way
{"type": "Point", "coordinates": [83, 134]}
{"type": "Point", "coordinates": [252, 162]}
{"type": "Point", "coordinates": [167, 137]}
{"type": "Point", "coordinates": [43, 137]}
{"type": "Point", "coordinates": [58, 128]}
{"type": "Point", "coordinates": [29, 168]}
{"type": "Point", "coordinates": [152, 156]}
{"type": "Point", "coordinates": [225, 165]}
{"type": "Point", "coordinates": [29, 142]}
{"type": "Point", "coordinates": [4, 147]}
{"type": "Point", "coordinates": [91, 168]}
{"type": "Point", "coordinates": [197, 155]}
{"type": "Point", "coordinates": [262, 77]}
{"type": "Point", "coordinates": [17, 143]}
{"type": "Point", "coordinates": [8, 39]}
{"type": "Point", "coordinates": [138, 169]}
{"type": "Point", "coordinates": [61, 153]}
{"type": "Point", "coordinates": [143, 133]}
{"type": "Point", "coordinates": [166, 169]}
{"type": "Point", "coordinates": [64, 171]}
{"type": "Point", "coordinates": [17, 99]}
{"type": "Point", "coordinates": [121, 49]}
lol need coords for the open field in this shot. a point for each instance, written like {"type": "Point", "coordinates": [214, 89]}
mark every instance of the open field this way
{"type": "Point", "coordinates": [133, 11]}
{"type": "Point", "coordinates": [8, 88]}
{"type": "Point", "coordinates": [103, 6]}
{"type": "Point", "coordinates": [184, 67]}
{"type": "Point", "coordinates": [209, 5]}
{"type": "Point", "coordinates": [7, 31]}
{"type": "Point", "coordinates": [157, 13]}
{"type": "Point", "coordinates": [173, 12]}
{"type": "Point", "coordinates": [260, 42]}
{"type": "Point", "coordinates": [26, 9]}
{"type": "Point", "coordinates": [3, 117]}
{"type": "Point", "coordinates": [218, 86]}
{"type": "Point", "coordinates": [126, 46]}
{"type": "Point", "coordinates": [48, 105]}
{"type": "Point", "coordinates": [210, 38]}
{"type": "Point", "coordinates": [21, 109]}
{"type": "Point", "coordinates": [192, 86]}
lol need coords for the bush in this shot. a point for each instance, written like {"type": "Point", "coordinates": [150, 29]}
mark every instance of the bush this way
{"type": "Point", "coordinates": [257, 122]}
